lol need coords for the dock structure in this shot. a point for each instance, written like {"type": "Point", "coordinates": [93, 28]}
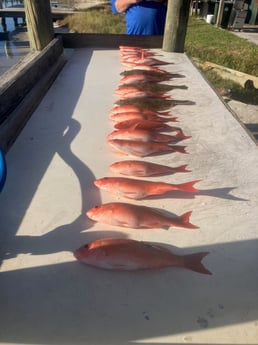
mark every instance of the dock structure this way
{"type": "Point", "coordinates": [18, 11]}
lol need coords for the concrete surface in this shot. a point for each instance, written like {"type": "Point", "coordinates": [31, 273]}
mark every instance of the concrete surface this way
{"type": "Point", "coordinates": [250, 33]}
{"type": "Point", "coordinates": [247, 114]}
{"type": "Point", "coordinates": [47, 297]}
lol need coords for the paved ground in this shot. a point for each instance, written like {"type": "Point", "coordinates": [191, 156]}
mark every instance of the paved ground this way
{"type": "Point", "coordinates": [247, 114]}
{"type": "Point", "coordinates": [249, 33]}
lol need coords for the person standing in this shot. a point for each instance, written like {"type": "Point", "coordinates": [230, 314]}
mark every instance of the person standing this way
{"type": "Point", "coordinates": [143, 17]}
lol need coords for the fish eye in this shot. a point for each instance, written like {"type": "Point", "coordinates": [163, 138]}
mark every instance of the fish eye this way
{"type": "Point", "coordinates": [86, 246]}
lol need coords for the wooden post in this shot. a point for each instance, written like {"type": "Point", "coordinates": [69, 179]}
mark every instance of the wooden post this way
{"type": "Point", "coordinates": [220, 13]}
{"type": "Point", "coordinates": [39, 23]}
{"type": "Point", "coordinates": [176, 25]}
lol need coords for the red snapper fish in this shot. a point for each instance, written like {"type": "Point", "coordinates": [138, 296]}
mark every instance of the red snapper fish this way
{"type": "Point", "coordinates": [127, 53]}
{"type": "Point", "coordinates": [124, 91]}
{"type": "Point", "coordinates": [128, 108]}
{"type": "Point", "coordinates": [140, 189]}
{"type": "Point", "coordinates": [144, 169]}
{"type": "Point", "coordinates": [143, 149]}
{"type": "Point", "coordinates": [146, 135]}
{"type": "Point", "coordinates": [135, 49]}
{"type": "Point", "coordinates": [130, 48]}
{"type": "Point", "coordinates": [137, 93]}
{"type": "Point", "coordinates": [130, 255]}
{"type": "Point", "coordinates": [137, 216]}
{"type": "Point", "coordinates": [140, 116]}
{"type": "Point", "coordinates": [141, 78]}
{"type": "Point", "coordinates": [149, 68]}
{"type": "Point", "coordinates": [149, 61]}
{"type": "Point", "coordinates": [144, 124]}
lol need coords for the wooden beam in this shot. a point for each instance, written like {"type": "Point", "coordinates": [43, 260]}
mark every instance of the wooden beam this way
{"type": "Point", "coordinates": [39, 23]}
{"type": "Point", "coordinates": [243, 79]}
{"type": "Point", "coordinates": [24, 85]}
{"type": "Point", "coordinates": [82, 40]}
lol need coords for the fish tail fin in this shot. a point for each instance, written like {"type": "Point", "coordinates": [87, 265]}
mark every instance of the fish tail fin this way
{"type": "Point", "coordinates": [193, 262]}
{"type": "Point", "coordinates": [188, 187]}
{"type": "Point", "coordinates": [170, 119]}
{"type": "Point", "coordinates": [181, 136]}
{"type": "Point", "coordinates": [182, 168]}
{"type": "Point", "coordinates": [178, 148]}
{"type": "Point", "coordinates": [184, 221]}
{"type": "Point", "coordinates": [165, 113]}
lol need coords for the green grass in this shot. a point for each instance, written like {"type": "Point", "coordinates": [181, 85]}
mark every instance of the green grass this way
{"type": "Point", "coordinates": [100, 20]}
{"type": "Point", "coordinates": [209, 43]}
{"type": "Point", "coordinates": [204, 42]}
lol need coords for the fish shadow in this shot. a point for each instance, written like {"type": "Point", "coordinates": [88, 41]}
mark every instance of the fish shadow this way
{"type": "Point", "coordinates": [155, 154]}
{"type": "Point", "coordinates": [182, 102]}
{"type": "Point", "coordinates": [221, 193]}
{"type": "Point", "coordinates": [157, 104]}
{"type": "Point", "coordinates": [177, 75]}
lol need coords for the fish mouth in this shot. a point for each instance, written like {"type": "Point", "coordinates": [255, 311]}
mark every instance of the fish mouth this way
{"type": "Point", "coordinates": [76, 254]}
{"type": "Point", "coordinates": [80, 253]}
{"type": "Point", "coordinates": [90, 215]}
{"type": "Point", "coordinates": [97, 183]}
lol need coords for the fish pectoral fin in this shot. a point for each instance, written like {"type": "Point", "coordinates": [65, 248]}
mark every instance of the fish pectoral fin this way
{"type": "Point", "coordinates": [133, 195]}
{"type": "Point", "coordinates": [139, 173]}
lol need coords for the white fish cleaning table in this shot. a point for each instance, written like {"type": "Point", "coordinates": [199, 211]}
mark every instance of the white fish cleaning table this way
{"type": "Point", "coordinates": [47, 297]}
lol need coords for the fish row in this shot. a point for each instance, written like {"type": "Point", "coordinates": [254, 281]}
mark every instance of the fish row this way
{"type": "Point", "coordinates": [140, 130]}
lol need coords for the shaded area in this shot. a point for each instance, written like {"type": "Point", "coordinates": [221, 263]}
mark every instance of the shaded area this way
{"type": "Point", "coordinates": [70, 303]}
{"type": "Point", "coordinates": [52, 135]}
{"type": "Point", "coordinates": [60, 239]}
